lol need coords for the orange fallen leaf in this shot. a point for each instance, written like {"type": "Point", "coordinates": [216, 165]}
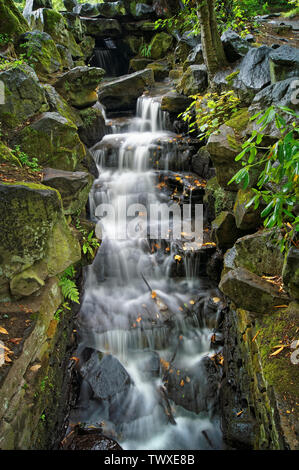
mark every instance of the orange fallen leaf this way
{"type": "Point", "coordinates": [240, 413]}
{"type": "Point", "coordinates": [15, 340]}
{"type": "Point", "coordinates": [139, 319]}
{"type": "Point", "coordinates": [182, 383]}
{"type": "Point", "coordinates": [154, 294]}
{"type": "Point", "coordinates": [278, 351]}
{"type": "Point", "coordinates": [177, 257]}
{"type": "Point", "coordinates": [76, 359]}
{"type": "Point", "coordinates": [3, 331]}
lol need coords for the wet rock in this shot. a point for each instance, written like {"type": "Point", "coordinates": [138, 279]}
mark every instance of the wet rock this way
{"type": "Point", "coordinates": [25, 96]}
{"type": "Point", "coordinates": [291, 273]}
{"type": "Point", "coordinates": [195, 57]}
{"type": "Point", "coordinates": [12, 22]}
{"type": "Point", "coordinates": [259, 253]}
{"type": "Point", "coordinates": [102, 27]}
{"type": "Point", "coordinates": [88, 9]}
{"type": "Point", "coordinates": [74, 25]}
{"type": "Point", "coordinates": [66, 57]}
{"type": "Point", "coordinates": [55, 25]}
{"type": "Point", "coordinates": [217, 199]}
{"type": "Point", "coordinates": [93, 127]}
{"type": "Point", "coordinates": [194, 80]}
{"type": "Point", "coordinates": [91, 440]}
{"type": "Point", "coordinates": [195, 388]}
{"type": "Point", "coordinates": [234, 46]}
{"type": "Point", "coordinates": [160, 45]}
{"type": "Point", "coordinates": [174, 102]}
{"type": "Point", "coordinates": [141, 10]}
{"type": "Point", "coordinates": [79, 85]}
{"type": "Point", "coordinates": [284, 63]}
{"type": "Point", "coordinates": [139, 64]}
{"type": "Point", "coordinates": [223, 147]}
{"type": "Point", "coordinates": [254, 72]}
{"type": "Point", "coordinates": [215, 266]}
{"type": "Point", "coordinates": [112, 9]}
{"type": "Point", "coordinates": [251, 292]}
{"type": "Point", "coordinates": [160, 69]}
{"type": "Point", "coordinates": [201, 163]}
{"type": "Point", "coordinates": [74, 188]}
{"type": "Point", "coordinates": [106, 377]}
{"type": "Point", "coordinates": [43, 52]}
{"type": "Point", "coordinates": [224, 230]}
{"type": "Point", "coordinates": [54, 141]}
{"type": "Point", "coordinates": [59, 105]}
{"type": "Point", "coordinates": [122, 94]}
{"type": "Point", "coordinates": [247, 218]}
{"type": "Point", "coordinates": [278, 94]}
{"type": "Point", "coordinates": [229, 261]}
{"type": "Point", "coordinates": [38, 243]}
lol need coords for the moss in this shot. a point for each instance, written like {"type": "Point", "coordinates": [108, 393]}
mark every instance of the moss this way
{"type": "Point", "coordinates": [280, 327]}
{"type": "Point", "coordinates": [229, 79]}
{"type": "Point", "coordinates": [12, 21]}
{"type": "Point", "coordinates": [55, 25]}
{"type": "Point", "coordinates": [160, 45]}
{"type": "Point", "coordinates": [239, 120]}
{"type": "Point", "coordinates": [6, 155]}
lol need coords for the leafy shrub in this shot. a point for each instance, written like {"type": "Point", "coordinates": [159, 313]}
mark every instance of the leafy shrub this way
{"type": "Point", "coordinates": [206, 113]}
{"type": "Point", "coordinates": [278, 179]}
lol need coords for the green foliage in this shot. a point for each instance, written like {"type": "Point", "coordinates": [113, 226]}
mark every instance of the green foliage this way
{"type": "Point", "coordinates": [68, 285]}
{"type": "Point", "coordinates": [7, 64]}
{"type": "Point", "coordinates": [277, 184]}
{"type": "Point", "coordinates": [25, 160]}
{"type": "Point", "coordinates": [4, 39]}
{"type": "Point", "coordinates": [145, 50]}
{"type": "Point", "coordinates": [206, 113]}
{"type": "Point", "coordinates": [65, 306]}
{"type": "Point", "coordinates": [89, 242]}
{"type": "Point", "coordinates": [30, 47]}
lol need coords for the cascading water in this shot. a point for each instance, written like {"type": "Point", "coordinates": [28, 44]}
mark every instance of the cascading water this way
{"type": "Point", "coordinates": [144, 351]}
{"type": "Point", "coordinates": [110, 56]}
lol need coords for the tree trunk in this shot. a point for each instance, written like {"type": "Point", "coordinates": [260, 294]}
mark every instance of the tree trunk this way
{"type": "Point", "coordinates": [213, 51]}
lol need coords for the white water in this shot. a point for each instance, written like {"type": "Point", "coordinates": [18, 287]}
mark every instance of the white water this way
{"type": "Point", "coordinates": [119, 314]}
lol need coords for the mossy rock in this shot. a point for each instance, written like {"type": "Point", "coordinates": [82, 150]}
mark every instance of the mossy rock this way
{"type": "Point", "coordinates": [78, 86]}
{"type": "Point", "coordinates": [34, 229]}
{"type": "Point", "coordinates": [134, 43]}
{"type": "Point", "coordinates": [24, 95]}
{"type": "Point", "coordinates": [291, 272]}
{"type": "Point", "coordinates": [7, 156]}
{"type": "Point", "coordinates": [12, 21]}
{"type": "Point", "coordinates": [56, 26]}
{"type": "Point", "coordinates": [87, 46]}
{"type": "Point", "coordinates": [224, 230]}
{"type": "Point", "coordinates": [160, 45]}
{"type": "Point", "coordinates": [160, 69]}
{"type": "Point", "coordinates": [240, 120]}
{"type": "Point", "coordinates": [58, 104]}
{"type": "Point", "coordinates": [281, 372]}
{"type": "Point", "coordinates": [218, 199]}
{"type": "Point", "coordinates": [138, 64]}
{"type": "Point", "coordinates": [194, 80]}
{"type": "Point", "coordinates": [247, 218]}
{"type": "Point", "coordinates": [44, 55]}
{"type": "Point", "coordinates": [54, 141]}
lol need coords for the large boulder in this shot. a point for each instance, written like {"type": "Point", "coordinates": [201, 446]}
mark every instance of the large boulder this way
{"type": "Point", "coordinates": [195, 57]}
{"type": "Point", "coordinates": [59, 105]}
{"type": "Point", "coordinates": [55, 25]}
{"type": "Point", "coordinates": [12, 22]}
{"type": "Point", "coordinates": [74, 188]}
{"type": "Point", "coordinates": [217, 199]}
{"type": "Point", "coordinates": [24, 95]}
{"type": "Point", "coordinates": [259, 253]}
{"type": "Point", "coordinates": [74, 25]}
{"type": "Point", "coordinates": [160, 45]}
{"type": "Point", "coordinates": [254, 72]}
{"type": "Point", "coordinates": [122, 94]}
{"type": "Point", "coordinates": [224, 230]}
{"type": "Point", "coordinates": [175, 103]}
{"type": "Point", "coordinates": [36, 241]}
{"type": "Point", "coordinates": [102, 27]}
{"type": "Point", "coordinates": [225, 145]}
{"type": "Point", "coordinates": [291, 272]}
{"type": "Point", "coordinates": [234, 46]}
{"type": "Point", "coordinates": [112, 9]}
{"type": "Point", "coordinates": [194, 80]}
{"type": "Point", "coordinates": [250, 292]}
{"type": "Point", "coordinates": [54, 141]}
{"type": "Point", "coordinates": [284, 63]}
{"type": "Point", "coordinates": [279, 94]}
{"type": "Point", "coordinates": [93, 127]}
{"type": "Point", "coordinates": [106, 377]}
{"type": "Point", "coordinates": [201, 163]}
{"type": "Point", "coordinates": [247, 218]}
{"type": "Point", "coordinates": [44, 54]}
{"type": "Point", "coordinates": [78, 86]}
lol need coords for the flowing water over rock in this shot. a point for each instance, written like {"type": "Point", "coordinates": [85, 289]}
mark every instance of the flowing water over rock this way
{"type": "Point", "coordinates": [147, 318]}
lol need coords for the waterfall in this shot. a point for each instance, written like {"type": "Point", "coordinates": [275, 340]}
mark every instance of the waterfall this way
{"type": "Point", "coordinates": [34, 17]}
{"type": "Point", "coordinates": [132, 308]}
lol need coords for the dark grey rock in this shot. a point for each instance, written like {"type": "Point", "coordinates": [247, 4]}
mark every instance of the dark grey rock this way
{"type": "Point", "coordinates": [284, 63]}
{"type": "Point", "coordinates": [234, 46]}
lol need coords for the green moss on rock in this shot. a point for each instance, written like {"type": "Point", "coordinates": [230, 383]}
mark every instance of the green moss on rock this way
{"type": "Point", "coordinates": [12, 21]}
{"type": "Point", "coordinates": [160, 45]}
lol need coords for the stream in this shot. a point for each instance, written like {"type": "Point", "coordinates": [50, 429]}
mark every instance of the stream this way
{"type": "Point", "coordinates": [149, 378]}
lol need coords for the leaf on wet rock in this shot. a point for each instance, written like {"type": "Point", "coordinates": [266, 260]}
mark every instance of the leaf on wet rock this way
{"type": "Point", "coordinates": [3, 331]}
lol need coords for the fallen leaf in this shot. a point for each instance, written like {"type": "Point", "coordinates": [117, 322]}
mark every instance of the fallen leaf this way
{"type": "Point", "coordinates": [177, 257]}
{"type": "Point", "coordinates": [182, 383]}
{"type": "Point", "coordinates": [278, 351]}
{"type": "Point", "coordinates": [240, 413]}
{"type": "Point", "coordinates": [76, 359]}
{"type": "Point", "coordinates": [3, 331]}
{"type": "Point", "coordinates": [15, 340]}
{"type": "Point", "coordinates": [35, 368]}
{"type": "Point", "coordinates": [154, 294]}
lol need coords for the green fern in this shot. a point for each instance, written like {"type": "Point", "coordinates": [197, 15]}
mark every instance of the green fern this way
{"type": "Point", "coordinates": [68, 286]}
